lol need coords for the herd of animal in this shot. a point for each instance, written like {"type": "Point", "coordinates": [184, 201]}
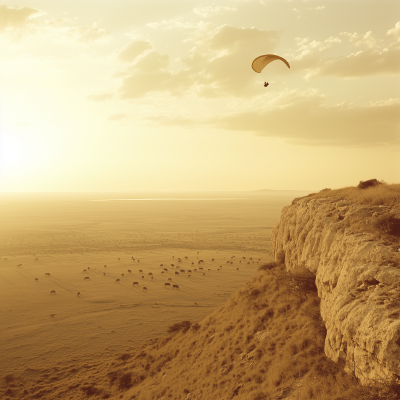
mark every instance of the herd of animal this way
{"type": "Point", "coordinates": [167, 284]}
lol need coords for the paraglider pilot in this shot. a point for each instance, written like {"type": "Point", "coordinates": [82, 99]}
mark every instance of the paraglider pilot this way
{"type": "Point", "coordinates": [266, 84]}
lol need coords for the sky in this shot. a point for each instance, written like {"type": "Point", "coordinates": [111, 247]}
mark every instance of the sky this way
{"type": "Point", "coordinates": [159, 95]}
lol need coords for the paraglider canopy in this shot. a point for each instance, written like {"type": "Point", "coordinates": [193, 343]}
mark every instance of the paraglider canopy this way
{"type": "Point", "coordinates": [260, 62]}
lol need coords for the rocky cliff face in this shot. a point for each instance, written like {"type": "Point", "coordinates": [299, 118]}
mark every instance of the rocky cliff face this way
{"type": "Point", "coordinates": [358, 280]}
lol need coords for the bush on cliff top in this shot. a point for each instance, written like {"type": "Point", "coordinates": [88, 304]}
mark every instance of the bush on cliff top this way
{"type": "Point", "coordinates": [382, 194]}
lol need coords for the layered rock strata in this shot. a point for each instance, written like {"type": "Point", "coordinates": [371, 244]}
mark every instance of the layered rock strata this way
{"type": "Point", "coordinates": [358, 280]}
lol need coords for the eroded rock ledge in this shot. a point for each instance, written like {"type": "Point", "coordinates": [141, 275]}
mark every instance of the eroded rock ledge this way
{"type": "Point", "coordinates": [358, 281]}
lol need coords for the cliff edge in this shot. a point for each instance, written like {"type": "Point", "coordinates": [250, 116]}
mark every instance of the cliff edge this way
{"type": "Point", "coordinates": [358, 279]}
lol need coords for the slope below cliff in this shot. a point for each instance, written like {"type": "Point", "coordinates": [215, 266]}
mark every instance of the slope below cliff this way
{"type": "Point", "coordinates": [357, 272]}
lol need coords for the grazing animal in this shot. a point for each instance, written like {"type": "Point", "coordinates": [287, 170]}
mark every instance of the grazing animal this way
{"type": "Point", "coordinates": [36, 259]}
{"type": "Point", "coordinates": [176, 273]}
{"type": "Point", "coordinates": [231, 262]}
{"type": "Point", "coordinates": [189, 270]}
{"type": "Point", "coordinates": [188, 276]}
{"type": "Point", "coordinates": [138, 260]}
{"type": "Point", "coordinates": [85, 278]}
{"type": "Point", "coordinates": [250, 258]}
{"type": "Point", "coordinates": [237, 269]}
{"type": "Point", "coordinates": [195, 269]}
{"type": "Point", "coordinates": [170, 279]}
{"type": "Point", "coordinates": [227, 262]}
{"type": "Point", "coordinates": [186, 257]}
{"type": "Point", "coordinates": [162, 272]}
{"type": "Point", "coordinates": [122, 274]}
{"type": "Point", "coordinates": [167, 284]}
{"type": "Point", "coordinates": [19, 265]}
{"type": "Point", "coordinates": [175, 286]}
{"type": "Point", "coordinates": [133, 259]}
{"type": "Point", "coordinates": [218, 269]}
{"type": "Point", "coordinates": [142, 277]}
{"type": "Point", "coordinates": [173, 256]}
{"type": "Point", "coordinates": [36, 279]}
{"type": "Point", "coordinates": [47, 274]}
{"type": "Point", "coordinates": [140, 270]}
{"type": "Point", "coordinates": [84, 270]}
{"type": "Point", "coordinates": [201, 261]}
{"type": "Point", "coordinates": [119, 259]}
{"type": "Point", "coordinates": [248, 263]}
{"type": "Point", "coordinates": [144, 289]}
{"type": "Point", "coordinates": [53, 292]}
{"type": "Point", "coordinates": [88, 268]}
{"type": "Point", "coordinates": [105, 266]}
{"type": "Point", "coordinates": [129, 271]}
{"type": "Point", "coordinates": [201, 268]}
{"type": "Point", "coordinates": [150, 273]}
{"type": "Point", "coordinates": [161, 265]}
{"type": "Point", "coordinates": [212, 259]}
{"type": "Point", "coordinates": [244, 258]}
{"type": "Point", "coordinates": [104, 273]}
{"type": "Point", "coordinates": [209, 269]}
{"type": "Point", "coordinates": [117, 280]}
{"type": "Point", "coordinates": [78, 293]}
{"type": "Point", "coordinates": [192, 263]}
{"type": "Point", "coordinates": [135, 283]}
{"type": "Point", "coordinates": [172, 265]}
{"type": "Point", "coordinates": [165, 269]}
{"type": "Point", "coordinates": [182, 270]}
{"type": "Point", "coordinates": [152, 277]}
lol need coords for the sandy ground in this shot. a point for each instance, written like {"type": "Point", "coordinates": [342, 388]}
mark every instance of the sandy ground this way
{"type": "Point", "coordinates": [63, 235]}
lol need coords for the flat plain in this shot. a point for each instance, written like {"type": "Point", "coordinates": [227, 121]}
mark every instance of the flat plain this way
{"type": "Point", "coordinates": [209, 244]}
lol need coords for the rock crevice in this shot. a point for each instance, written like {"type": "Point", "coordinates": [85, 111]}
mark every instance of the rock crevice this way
{"type": "Point", "coordinates": [358, 280]}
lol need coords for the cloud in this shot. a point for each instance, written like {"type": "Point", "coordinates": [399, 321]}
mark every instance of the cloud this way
{"type": "Point", "coordinates": [99, 97]}
{"type": "Point", "coordinates": [17, 17]}
{"type": "Point", "coordinates": [116, 117]}
{"type": "Point", "coordinates": [129, 52]}
{"type": "Point", "coordinates": [304, 118]}
{"type": "Point", "coordinates": [369, 57]}
{"type": "Point", "coordinates": [394, 32]}
{"type": "Point", "coordinates": [217, 65]}
{"type": "Point", "coordinates": [18, 24]}
{"type": "Point", "coordinates": [208, 11]}
{"type": "Point", "coordinates": [362, 63]}
{"type": "Point", "coordinates": [178, 23]}
{"type": "Point", "coordinates": [86, 34]}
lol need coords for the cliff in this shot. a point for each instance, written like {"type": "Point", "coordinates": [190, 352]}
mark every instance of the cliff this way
{"type": "Point", "coordinates": [357, 274]}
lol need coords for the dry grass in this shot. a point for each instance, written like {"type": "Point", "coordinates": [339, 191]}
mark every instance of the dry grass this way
{"type": "Point", "coordinates": [385, 194]}
{"type": "Point", "coordinates": [265, 343]}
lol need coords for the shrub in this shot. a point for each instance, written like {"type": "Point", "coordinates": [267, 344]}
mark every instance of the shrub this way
{"type": "Point", "coordinates": [280, 257]}
{"type": "Point", "coordinates": [125, 381]}
{"type": "Point", "coordinates": [124, 357]}
{"type": "Point", "coordinates": [180, 326]}
{"type": "Point", "coordinates": [368, 184]}
{"type": "Point", "coordinates": [268, 266]}
{"type": "Point", "coordinates": [388, 223]}
{"type": "Point", "coordinates": [9, 378]}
